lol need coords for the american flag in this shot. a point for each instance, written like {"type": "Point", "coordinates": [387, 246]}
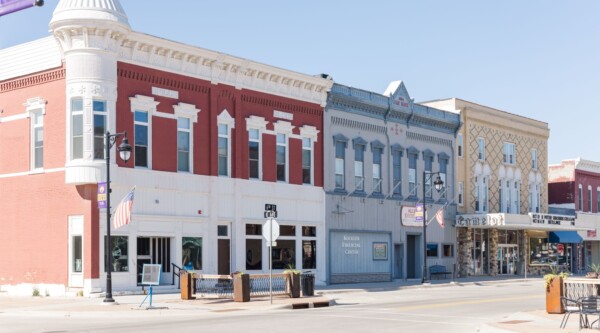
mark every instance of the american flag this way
{"type": "Point", "coordinates": [122, 214]}
{"type": "Point", "coordinates": [439, 216]}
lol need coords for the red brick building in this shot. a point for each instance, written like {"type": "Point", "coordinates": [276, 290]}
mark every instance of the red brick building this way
{"type": "Point", "coordinates": [214, 138]}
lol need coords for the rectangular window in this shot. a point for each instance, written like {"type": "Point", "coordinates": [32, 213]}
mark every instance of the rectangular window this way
{"type": "Point", "coordinates": [76, 128]}
{"type": "Point", "coordinates": [429, 177]}
{"type": "Point", "coordinates": [287, 230]}
{"type": "Point", "coordinates": [77, 255]}
{"type": "Point", "coordinates": [377, 152]}
{"type": "Point", "coordinates": [281, 157]}
{"type": "Point", "coordinates": [448, 250]}
{"type": "Point", "coordinates": [223, 230]}
{"type": "Point", "coordinates": [477, 195]}
{"type": "Point", "coordinates": [223, 150]}
{"type": "Point", "coordinates": [432, 250]}
{"type": "Point", "coordinates": [534, 159]}
{"type": "Point", "coordinates": [140, 128]}
{"type": "Point", "coordinates": [306, 161]}
{"type": "Point", "coordinates": [99, 109]}
{"type": "Point", "coordinates": [516, 197]}
{"type": "Point", "coordinates": [460, 193]}
{"type": "Point", "coordinates": [191, 250]}
{"type": "Point", "coordinates": [254, 254]}
{"type": "Point", "coordinates": [253, 154]}
{"type": "Point", "coordinates": [481, 149]}
{"type": "Point", "coordinates": [443, 166]}
{"type": "Point", "coordinates": [183, 144]}
{"type": "Point", "coordinates": [397, 172]}
{"type": "Point", "coordinates": [590, 198]}
{"type": "Point", "coordinates": [119, 249]}
{"type": "Point", "coordinates": [309, 254]}
{"type": "Point", "coordinates": [309, 231]}
{"type": "Point", "coordinates": [359, 173]}
{"type": "Point", "coordinates": [340, 157]}
{"type": "Point", "coordinates": [500, 197]}
{"type": "Point", "coordinates": [412, 175]}
{"type": "Point", "coordinates": [580, 201]}
{"type": "Point", "coordinates": [283, 255]}
{"type": "Point", "coordinates": [459, 141]}
{"type": "Point", "coordinates": [598, 200]}
{"type": "Point", "coordinates": [37, 140]}
{"type": "Point", "coordinates": [509, 153]}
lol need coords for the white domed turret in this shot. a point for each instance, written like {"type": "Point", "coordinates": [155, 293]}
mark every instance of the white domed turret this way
{"type": "Point", "coordinates": [89, 33]}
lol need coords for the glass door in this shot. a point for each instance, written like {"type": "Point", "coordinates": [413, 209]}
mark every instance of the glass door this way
{"type": "Point", "coordinates": [507, 259]}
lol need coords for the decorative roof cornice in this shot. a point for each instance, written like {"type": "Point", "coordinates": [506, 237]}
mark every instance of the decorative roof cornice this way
{"type": "Point", "coordinates": [220, 68]}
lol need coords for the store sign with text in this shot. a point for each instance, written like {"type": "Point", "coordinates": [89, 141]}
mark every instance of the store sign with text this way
{"type": "Point", "coordinates": [411, 216]}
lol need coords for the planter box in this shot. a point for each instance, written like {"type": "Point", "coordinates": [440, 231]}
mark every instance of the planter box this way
{"type": "Point", "coordinates": [553, 294]}
{"type": "Point", "coordinates": [241, 288]}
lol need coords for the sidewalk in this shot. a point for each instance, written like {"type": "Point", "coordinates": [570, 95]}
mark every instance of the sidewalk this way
{"type": "Point", "coordinates": [171, 303]}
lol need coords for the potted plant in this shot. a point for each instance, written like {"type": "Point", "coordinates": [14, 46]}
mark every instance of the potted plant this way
{"type": "Point", "coordinates": [294, 280]}
{"type": "Point", "coordinates": [554, 290]}
{"type": "Point", "coordinates": [595, 271]}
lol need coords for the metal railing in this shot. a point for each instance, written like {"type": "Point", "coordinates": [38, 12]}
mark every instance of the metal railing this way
{"type": "Point", "coordinates": [575, 288]}
{"type": "Point", "coordinates": [176, 274]}
{"type": "Point", "coordinates": [221, 286]}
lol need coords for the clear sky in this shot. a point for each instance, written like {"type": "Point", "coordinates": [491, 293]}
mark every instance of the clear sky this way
{"type": "Point", "coordinates": [535, 58]}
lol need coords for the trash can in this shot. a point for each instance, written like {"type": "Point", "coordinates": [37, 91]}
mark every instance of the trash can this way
{"type": "Point", "coordinates": [308, 284]}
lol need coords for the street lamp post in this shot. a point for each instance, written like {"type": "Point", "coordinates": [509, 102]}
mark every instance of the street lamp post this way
{"type": "Point", "coordinates": [438, 184]}
{"type": "Point", "coordinates": [125, 152]}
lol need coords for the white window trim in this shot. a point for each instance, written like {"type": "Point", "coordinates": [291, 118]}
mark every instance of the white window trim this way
{"type": "Point", "coordinates": [147, 104]}
{"type": "Point", "coordinates": [102, 113]}
{"type": "Point", "coordinates": [310, 132]}
{"type": "Point", "coordinates": [260, 124]}
{"type": "Point", "coordinates": [224, 118]}
{"type": "Point", "coordinates": [185, 110]}
{"type": "Point", "coordinates": [70, 122]}
{"type": "Point", "coordinates": [481, 147]}
{"type": "Point", "coordinates": [534, 158]}
{"type": "Point", "coordinates": [33, 106]}
{"type": "Point", "coordinates": [286, 128]}
{"type": "Point", "coordinates": [513, 153]}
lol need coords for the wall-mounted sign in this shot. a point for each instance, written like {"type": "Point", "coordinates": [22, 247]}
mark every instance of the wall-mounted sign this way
{"type": "Point", "coordinates": [351, 244]}
{"type": "Point", "coordinates": [408, 216]}
{"type": "Point", "coordinates": [480, 220]}
{"type": "Point", "coordinates": [165, 92]}
{"type": "Point", "coordinates": [551, 219]}
{"type": "Point", "coordinates": [283, 115]}
{"type": "Point", "coordinates": [380, 251]}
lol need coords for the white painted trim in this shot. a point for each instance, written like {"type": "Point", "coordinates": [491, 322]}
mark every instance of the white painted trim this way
{"type": "Point", "coordinates": [186, 110]}
{"type": "Point", "coordinates": [31, 172]}
{"type": "Point", "coordinates": [224, 118]}
{"type": "Point", "coordinates": [190, 131]}
{"type": "Point", "coordinates": [259, 124]}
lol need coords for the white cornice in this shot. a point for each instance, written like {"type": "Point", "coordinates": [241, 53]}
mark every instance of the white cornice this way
{"type": "Point", "coordinates": [586, 165]}
{"type": "Point", "coordinates": [220, 68]}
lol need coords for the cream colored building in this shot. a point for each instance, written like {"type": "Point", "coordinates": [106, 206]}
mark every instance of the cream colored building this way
{"type": "Point", "coordinates": [501, 191]}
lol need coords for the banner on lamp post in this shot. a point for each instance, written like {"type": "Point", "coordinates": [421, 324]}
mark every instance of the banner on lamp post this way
{"type": "Point", "coordinates": [102, 195]}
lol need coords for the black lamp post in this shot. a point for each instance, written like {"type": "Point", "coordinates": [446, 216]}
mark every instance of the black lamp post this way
{"type": "Point", "coordinates": [125, 152]}
{"type": "Point", "coordinates": [438, 183]}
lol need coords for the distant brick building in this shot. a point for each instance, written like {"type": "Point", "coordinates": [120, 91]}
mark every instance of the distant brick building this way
{"type": "Point", "coordinates": [214, 138]}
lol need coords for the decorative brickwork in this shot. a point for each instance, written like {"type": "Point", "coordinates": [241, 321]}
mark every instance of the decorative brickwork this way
{"type": "Point", "coordinates": [32, 80]}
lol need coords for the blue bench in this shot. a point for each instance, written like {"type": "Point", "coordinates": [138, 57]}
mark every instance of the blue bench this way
{"type": "Point", "coordinates": [438, 271]}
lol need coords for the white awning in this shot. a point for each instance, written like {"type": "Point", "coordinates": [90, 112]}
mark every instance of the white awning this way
{"type": "Point", "coordinates": [502, 221]}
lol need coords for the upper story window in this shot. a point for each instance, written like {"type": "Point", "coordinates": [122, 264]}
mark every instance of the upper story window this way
{"type": "Point", "coordinates": [224, 150]}
{"type": "Point", "coordinates": [99, 109]}
{"type": "Point", "coordinates": [183, 144]}
{"type": "Point", "coordinates": [307, 160]}
{"type": "Point", "coordinates": [459, 144]}
{"type": "Point", "coordinates": [509, 153]}
{"type": "Point", "coordinates": [598, 199]}
{"type": "Point", "coordinates": [481, 149]}
{"type": "Point", "coordinates": [37, 139]}
{"type": "Point", "coordinates": [280, 156]}
{"type": "Point", "coordinates": [76, 128]}
{"type": "Point", "coordinates": [580, 199]}
{"type": "Point", "coordinates": [141, 134]}
{"type": "Point", "coordinates": [340, 161]}
{"type": "Point", "coordinates": [377, 152]}
{"type": "Point", "coordinates": [225, 124]}
{"type": "Point", "coordinates": [397, 169]}
{"type": "Point", "coordinates": [443, 161]}
{"type": "Point", "coordinates": [516, 196]}
{"type": "Point", "coordinates": [359, 163]}
{"type": "Point", "coordinates": [253, 153]}
{"type": "Point", "coordinates": [590, 198]}
{"type": "Point", "coordinates": [460, 193]}
{"type": "Point", "coordinates": [412, 173]}
{"type": "Point", "coordinates": [534, 159]}
{"type": "Point", "coordinates": [481, 194]}
{"type": "Point", "coordinates": [429, 178]}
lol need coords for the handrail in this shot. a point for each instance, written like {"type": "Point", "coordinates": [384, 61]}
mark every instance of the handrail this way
{"type": "Point", "coordinates": [178, 274]}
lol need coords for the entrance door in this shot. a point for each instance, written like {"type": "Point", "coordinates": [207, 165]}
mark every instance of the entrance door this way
{"type": "Point", "coordinates": [412, 256]}
{"type": "Point", "coordinates": [398, 261]}
{"type": "Point", "coordinates": [154, 250]}
{"type": "Point", "coordinates": [507, 259]}
{"type": "Point", "coordinates": [223, 250]}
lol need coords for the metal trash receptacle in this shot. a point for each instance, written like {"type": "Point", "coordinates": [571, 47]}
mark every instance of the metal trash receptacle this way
{"type": "Point", "coordinates": [308, 284]}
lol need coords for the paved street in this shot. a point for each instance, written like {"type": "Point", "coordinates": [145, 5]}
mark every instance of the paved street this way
{"type": "Point", "coordinates": [507, 306]}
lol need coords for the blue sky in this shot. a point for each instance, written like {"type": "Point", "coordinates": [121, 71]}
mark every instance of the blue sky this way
{"type": "Point", "coordinates": [536, 58]}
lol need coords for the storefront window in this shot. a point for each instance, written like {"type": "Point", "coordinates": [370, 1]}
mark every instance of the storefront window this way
{"type": "Point", "coordinates": [448, 250]}
{"type": "Point", "coordinates": [77, 254]}
{"type": "Point", "coordinates": [309, 254]}
{"type": "Point", "coordinates": [432, 249]}
{"type": "Point", "coordinates": [253, 254]}
{"type": "Point", "coordinates": [544, 253]}
{"type": "Point", "coordinates": [191, 253]}
{"type": "Point", "coordinates": [284, 254]}
{"type": "Point", "coordinates": [119, 251]}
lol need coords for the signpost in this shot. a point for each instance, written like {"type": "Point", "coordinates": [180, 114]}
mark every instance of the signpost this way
{"type": "Point", "coordinates": [270, 231]}
{"type": "Point", "coordinates": [151, 277]}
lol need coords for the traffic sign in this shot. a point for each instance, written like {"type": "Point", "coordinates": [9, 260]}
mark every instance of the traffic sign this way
{"type": "Point", "coordinates": [270, 207]}
{"type": "Point", "coordinates": [270, 230]}
{"type": "Point", "coordinates": [270, 214]}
